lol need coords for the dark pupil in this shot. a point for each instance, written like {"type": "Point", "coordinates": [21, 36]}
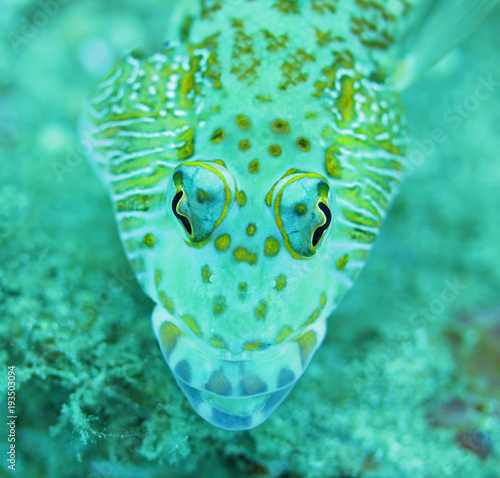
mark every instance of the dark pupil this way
{"type": "Point", "coordinates": [318, 233]}
{"type": "Point", "coordinates": [183, 219]}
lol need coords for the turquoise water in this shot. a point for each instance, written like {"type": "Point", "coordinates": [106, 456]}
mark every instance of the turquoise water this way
{"type": "Point", "coordinates": [407, 382]}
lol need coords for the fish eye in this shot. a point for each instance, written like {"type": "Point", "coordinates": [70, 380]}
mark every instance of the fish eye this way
{"type": "Point", "coordinates": [321, 230]}
{"type": "Point", "coordinates": [202, 197]}
{"type": "Point", "coordinates": [302, 212]}
{"type": "Point", "coordinates": [183, 219]}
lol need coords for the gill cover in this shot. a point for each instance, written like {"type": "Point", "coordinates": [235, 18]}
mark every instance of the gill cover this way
{"type": "Point", "coordinates": [301, 206]}
{"type": "Point", "coordinates": [202, 194]}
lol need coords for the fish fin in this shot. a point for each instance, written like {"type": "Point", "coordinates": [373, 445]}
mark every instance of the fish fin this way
{"type": "Point", "coordinates": [442, 26]}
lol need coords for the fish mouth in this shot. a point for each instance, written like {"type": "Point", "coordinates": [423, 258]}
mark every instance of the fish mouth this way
{"type": "Point", "coordinates": [233, 392]}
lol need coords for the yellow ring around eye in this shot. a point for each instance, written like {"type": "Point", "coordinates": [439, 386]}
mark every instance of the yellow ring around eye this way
{"type": "Point", "coordinates": [279, 222]}
{"type": "Point", "coordinates": [226, 187]}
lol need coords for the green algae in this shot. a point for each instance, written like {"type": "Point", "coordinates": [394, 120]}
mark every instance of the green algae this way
{"type": "Point", "coordinates": [409, 361]}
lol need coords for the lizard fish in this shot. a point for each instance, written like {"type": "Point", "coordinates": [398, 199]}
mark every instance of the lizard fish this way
{"type": "Point", "coordinates": [251, 165]}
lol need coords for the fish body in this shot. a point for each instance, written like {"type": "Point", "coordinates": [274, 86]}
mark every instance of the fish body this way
{"type": "Point", "coordinates": [251, 165]}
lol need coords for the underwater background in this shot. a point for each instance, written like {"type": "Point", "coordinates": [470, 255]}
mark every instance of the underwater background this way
{"type": "Point", "coordinates": [407, 381]}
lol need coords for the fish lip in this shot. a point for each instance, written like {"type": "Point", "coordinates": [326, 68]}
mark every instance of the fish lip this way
{"type": "Point", "coordinates": [237, 360]}
{"type": "Point", "coordinates": [203, 348]}
{"type": "Point", "coordinates": [205, 368]}
{"type": "Point", "coordinates": [234, 391]}
{"type": "Point", "coordinates": [236, 378]}
{"type": "Point", "coordinates": [210, 351]}
{"type": "Point", "coordinates": [235, 394]}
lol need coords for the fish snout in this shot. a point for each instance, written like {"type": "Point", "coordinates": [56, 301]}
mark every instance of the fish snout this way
{"type": "Point", "coordinates": [235, 391]}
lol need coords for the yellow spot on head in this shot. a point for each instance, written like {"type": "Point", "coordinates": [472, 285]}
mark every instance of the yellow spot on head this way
{"type": "Point", "coordinates": [342, 262]}
{"type": "Point", "coordinates": [157, 277]}
{"type": "Point", "coordinates": [271, 247]}
{"type": "Point", "coordinates": [261, 310]}
{"type": "Point", "coordinates": [242, 290]}
{"type": "Point", "coordinates": [332, 163]}
{"type": "Point", "coordinates": [169, 334]}
{"type": "Point", "coordinates": [307, 343]}
{"type": "Point", "coordinates": [313, 317]}
{"type": "Point", "coordinates": [202, 196]}
{"type": "Point", "coordinates": [219, 305]}
{"type": "Point", "coordinates": [275, 150]}
{"type": "Point", "coordinates": [206, 273]}
{"type": "Point", "coordinates": [251, 229]}
{"type": "Point", "coordinates": [280, 126]}
{"type": "Point", "coordinates": [187, 150]}
{"type": "Point", "coordinates": [285, 332]}
{"type": "Point", "coordinates": [217, 342]}
{"type": "Point", "coordinates": [300, 209]}
{"type": "Point", "coordinates": [345, 101]}
{"type": "Point", "coordinates": [242, 255]}
{"type": "Point", "coordinates": [323, 38]}
{"type": "Point", "coordinates": [322, 300]}
{"type": "Point", "coordinates": [251, 346]}
{"type": "Point", "coordinates": [287, 6]}
{"type": "Point", "coordinates": [223, 242]}
{"type": "Point", "coordinates": [243, 122]}
{"type": "Point", "coordinates": [324, 6]}
{"type": "Point", "coordinates": [167, 303]}
{"type": "Point", "coordinates": [241, 198]}
{"type": "Point", "coordinates": [149, 240]}
{"type": "Point", "coordinates": [264, 98]}
{"type": "Point", "coordinates": [254, 167]}
{"type": "Point", "coordinates": [280, 282]}
{"type": "Point", "coordinates": [304, 144]}
{"type": "Point", "coordinates": [191, 323]}
{"type": "Point", "coordinates": [244, 145]}
{"type": "Point", "coordinates": [218, 135]}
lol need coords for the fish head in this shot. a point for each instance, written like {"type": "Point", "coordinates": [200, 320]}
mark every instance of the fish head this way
{"type": "Point", "coordinates": [242, 286]}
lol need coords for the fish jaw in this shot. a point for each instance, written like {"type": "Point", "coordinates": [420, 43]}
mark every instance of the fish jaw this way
{"type": "Point", "coordinates": [234, 391]}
